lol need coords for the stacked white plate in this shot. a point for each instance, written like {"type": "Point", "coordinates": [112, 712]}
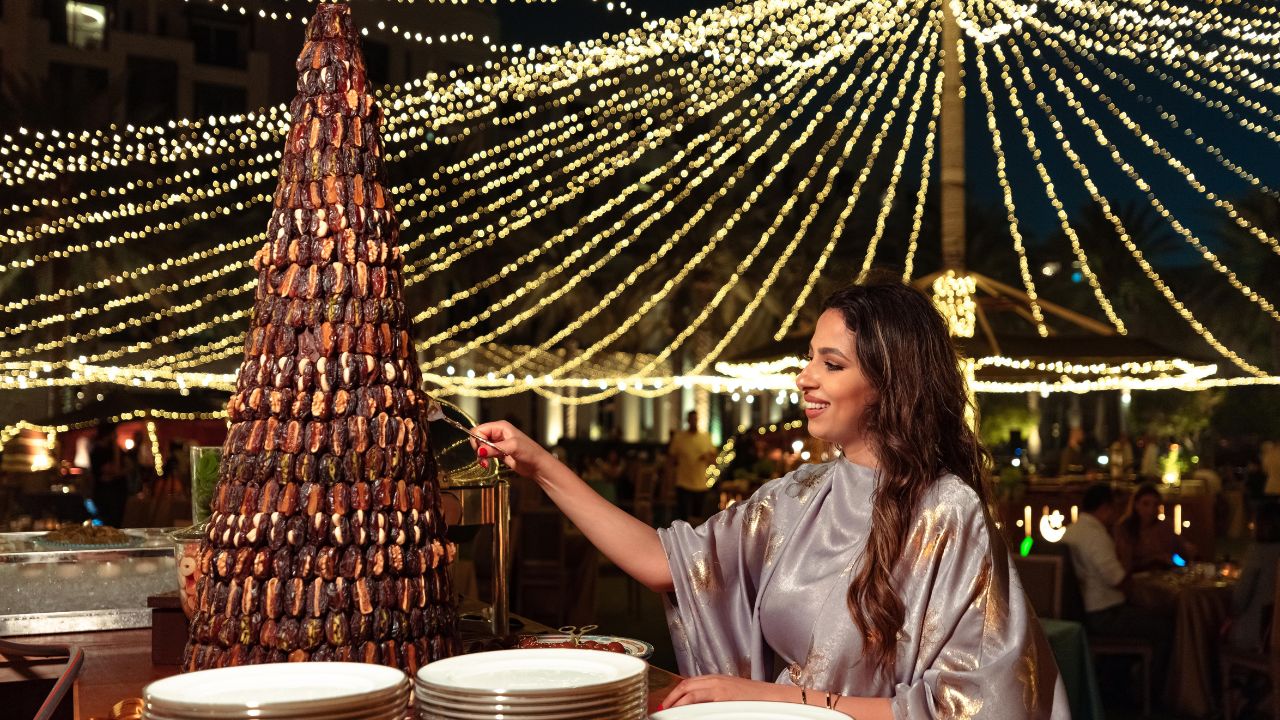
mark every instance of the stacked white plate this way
{"type": "Point", "coordinates": [534, 684]}
{"type": "Point", "coordinates": [748, 710]}
{"type": "Point", "coordinates": [281, 691]}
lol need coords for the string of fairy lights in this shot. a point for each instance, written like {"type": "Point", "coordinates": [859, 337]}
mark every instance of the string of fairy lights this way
{"type": "Point", "coordinates": [662, 251]}
{"type": "Point", "coordinates": [397, 188]}
{"type": "Point", "coordinates": [443, 94]}
{"type": "Point", "coordinates": [434, 98]}
{"type": "Point", "coordinates": [847, 211]}
{"type": "Point", "coordinates": [676, 132]}
{"type": "Point", "coordinates": [194, 138]}
{"type": "Point", "coordinates": [1190, 237]}
{"type": "Point", "coordinates": [693, 325]}
{"type": "Point", "coordinates": [1129, 243]}
{"type": "Point", "coordinates": [403, 204]}
{"type": "Point", "coordinates": [1153, 144]}
{"type": "Point", "coordinates": [47, 297]}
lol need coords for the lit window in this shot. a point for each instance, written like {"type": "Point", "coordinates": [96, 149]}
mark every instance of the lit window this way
{"type": "Point", "coordinates": [86, 24]}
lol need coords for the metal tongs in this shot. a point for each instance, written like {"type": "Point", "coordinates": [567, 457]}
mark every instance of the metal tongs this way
{"type": "Point", "coordinates": [436, 412]}
{"type": "Point", "coordinates": [575, 633]}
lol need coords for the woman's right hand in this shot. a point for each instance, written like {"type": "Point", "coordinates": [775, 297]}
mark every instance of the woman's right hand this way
{"type": "Point", "coordinates": [520, 453]}
{"type": "Point", "coordinates": [631, 544]}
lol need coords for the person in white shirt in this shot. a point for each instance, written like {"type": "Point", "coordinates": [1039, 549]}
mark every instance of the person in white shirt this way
{"type": "Point", "coordinates": [1093, 552]}
{"type": "Point", "coordinates": [1103, 580]}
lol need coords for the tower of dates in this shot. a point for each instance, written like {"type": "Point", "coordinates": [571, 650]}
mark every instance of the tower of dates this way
{"type": "Point", "coordinates": [326, 540]}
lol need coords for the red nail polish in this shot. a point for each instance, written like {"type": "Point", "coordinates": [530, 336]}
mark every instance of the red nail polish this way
{"type": "Point", "coordinates": [660, 706]}
{"type": "Point", "coordinates": [484, 463]}
{"type": "Point", "coordinates": [482, 451]}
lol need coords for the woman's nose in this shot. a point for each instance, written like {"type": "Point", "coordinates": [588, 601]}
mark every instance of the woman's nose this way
{"type": "Point", "coordinates": [803, 381]}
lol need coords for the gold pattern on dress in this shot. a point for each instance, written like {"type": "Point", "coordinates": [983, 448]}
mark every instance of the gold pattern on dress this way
{"type": "Point", "coordinates": [817, 665]}
{"type": "Point", "coordinates": [678, 633]}
{"type": "Point", "coordinates": [957, 660]}
{"type": "Point", "coordinates": [995, 615]}
{"type": "Point", "coordinates": [925, 536]}
{"type": "Point", "coordinates": [953, 703]}
{"type": "Point", "coordinates": [702, 576]}
{"type": "Point", "coordinates": [931, 638]}
{"type": "Point", "coordinates": [775, 544]}
{"type": "Point", "coordinates": [1028, 680]}
{"type": "Point", "coordinates": [759, 519]}
{"type": "Point", "coordinates": [802, 485]}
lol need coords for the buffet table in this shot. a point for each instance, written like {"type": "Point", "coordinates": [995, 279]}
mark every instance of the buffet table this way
{"type": "Point", "coordinates": [118, 665]}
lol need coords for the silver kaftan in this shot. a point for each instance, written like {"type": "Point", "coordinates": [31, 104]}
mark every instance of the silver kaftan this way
{"type": "Point", "coordinates": [760, 592]}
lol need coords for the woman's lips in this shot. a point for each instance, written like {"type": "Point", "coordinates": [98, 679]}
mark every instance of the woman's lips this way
{"type": "Point", "coordinates": [813, 409]}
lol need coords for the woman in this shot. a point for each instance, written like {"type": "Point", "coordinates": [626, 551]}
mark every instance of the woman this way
{"type": "Point", "coordinates": [1143, 541]}
{"type": "Point", "coordinates": [1255, 594]}
{"type": "Point", "coordinates": [876, 583]}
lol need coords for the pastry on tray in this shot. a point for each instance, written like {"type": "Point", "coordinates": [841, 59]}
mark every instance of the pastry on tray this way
{"type": "Point", "coordinates": [88, 536]}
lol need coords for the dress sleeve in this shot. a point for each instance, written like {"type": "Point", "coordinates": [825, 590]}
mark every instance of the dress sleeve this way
{"type": "Point", "coordinates": [716, 571]}
{"type": "Point", "coordinates": [973, 647]}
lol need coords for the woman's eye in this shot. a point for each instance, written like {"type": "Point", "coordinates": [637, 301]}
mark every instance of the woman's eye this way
{"type": "Point", "coordinates": [807, 357]}
{"type": "Point", "coordinates": [833, 367]}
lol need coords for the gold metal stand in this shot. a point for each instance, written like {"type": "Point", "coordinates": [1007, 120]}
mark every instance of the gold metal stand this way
{"type": "Point", "coordinates": [486, 503]}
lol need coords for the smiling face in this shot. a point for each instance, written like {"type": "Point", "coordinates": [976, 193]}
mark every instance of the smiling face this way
{"type": "Point", "coordinates": [836, 393]}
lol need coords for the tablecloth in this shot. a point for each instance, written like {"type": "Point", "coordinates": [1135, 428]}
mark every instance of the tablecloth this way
{"type": "Point", "coordinates": [1199, 605]}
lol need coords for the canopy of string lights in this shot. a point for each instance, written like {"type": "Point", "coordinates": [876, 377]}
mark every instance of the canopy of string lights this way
{"type": "Point", "coordinates": [625, 214]}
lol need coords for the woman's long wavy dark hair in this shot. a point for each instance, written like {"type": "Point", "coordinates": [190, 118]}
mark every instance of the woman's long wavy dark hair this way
{"type": "Point", "coordinates": [917, 429]}
{"type": "Point", "coordinates": [1131, 523]}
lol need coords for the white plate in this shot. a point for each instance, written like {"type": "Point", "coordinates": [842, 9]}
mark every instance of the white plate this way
{"type": "Point", "coordinates": [328, 687]}
{"type": "Point", "coordinates": [396, 713]}
{"type": "Point", "coordinates": [560, 705]}
{"type": "Point", "coordinates": [432, 697]}
{"type": "Point", "coordinates": [748, 710]}
{"type": "Point", "coordinates": [532, 671]}
{"type": "Point", "coordinates": [596, 693]}
{"type": "Point", "coordinates": [567, 711]}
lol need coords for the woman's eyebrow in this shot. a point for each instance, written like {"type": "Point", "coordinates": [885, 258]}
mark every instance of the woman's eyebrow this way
{"type": "Point", "coordinates": [832, 351]}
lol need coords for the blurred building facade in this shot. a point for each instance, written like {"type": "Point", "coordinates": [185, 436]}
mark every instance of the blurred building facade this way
{"type": "Point", "coordinates": [150, 61]}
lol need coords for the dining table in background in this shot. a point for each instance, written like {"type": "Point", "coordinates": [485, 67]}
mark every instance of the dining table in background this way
{"type": "Point", "coordinates": [1197, 601]}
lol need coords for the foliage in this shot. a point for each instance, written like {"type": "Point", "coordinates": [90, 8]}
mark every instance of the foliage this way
{"type": "Point", "coordinates": [204, 479]}
{"type": "Point", "coordinates": [1000, 414]}
{"type": "Point", "coordinates": [1174, 413]}
{"type": "Point", "coordinates": [1249, 412]}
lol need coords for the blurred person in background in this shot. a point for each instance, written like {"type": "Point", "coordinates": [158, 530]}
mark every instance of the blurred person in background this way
{"type": "Point", "coordinates": [1104, 580]}
{"type": "Point", "coordinates": [1269, 460]}
{"type": "Point", "coordinates": [1071, 460]}
{"type": "Point", "coordinates": [110, 485]}
{"type": "Point", "coordinates": [691, 452]}
{"type": "Point", "coordinates": [1143, 540]}
{"type": "Point", "coordinates": [1149, 468]}
{"type": "Point", "coordinates": [1120, 457]}
{"type": "Point", "coordinates": [1253, 595]}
